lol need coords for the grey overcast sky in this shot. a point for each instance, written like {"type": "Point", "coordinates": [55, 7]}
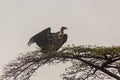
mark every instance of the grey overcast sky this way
{"type": "Point", "coordinates": [90, 22]}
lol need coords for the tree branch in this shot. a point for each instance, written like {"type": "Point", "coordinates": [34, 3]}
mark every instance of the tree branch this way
{"type": "Point", "coordinates": [87, 61]}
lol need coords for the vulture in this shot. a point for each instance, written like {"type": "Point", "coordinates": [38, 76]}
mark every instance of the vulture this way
{"type": "Point", "coordinates": [48, 41]}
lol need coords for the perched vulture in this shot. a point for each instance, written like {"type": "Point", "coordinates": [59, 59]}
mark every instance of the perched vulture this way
{"type": "Point", "coordinates": [48, 41]}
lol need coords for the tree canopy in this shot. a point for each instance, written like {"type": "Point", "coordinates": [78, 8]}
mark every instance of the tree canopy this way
{"type": "Point", "coordinates": [88, 63]}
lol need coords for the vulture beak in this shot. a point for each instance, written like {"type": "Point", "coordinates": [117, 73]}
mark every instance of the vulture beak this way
{"type": "Point", "coordinates": [64, 28]}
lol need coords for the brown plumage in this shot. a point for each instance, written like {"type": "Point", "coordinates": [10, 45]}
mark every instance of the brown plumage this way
{"type": "Point", "coordinates": [48, 41]}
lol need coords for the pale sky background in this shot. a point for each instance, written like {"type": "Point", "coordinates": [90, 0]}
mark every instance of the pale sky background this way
{"type": "Point", "coordinates": [90, 22]}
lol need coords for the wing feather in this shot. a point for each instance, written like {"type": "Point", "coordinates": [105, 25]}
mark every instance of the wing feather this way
{"type": "Point", "coordinates": [41, 38]}
{"type": "Point", "coordinates": [60, 42]}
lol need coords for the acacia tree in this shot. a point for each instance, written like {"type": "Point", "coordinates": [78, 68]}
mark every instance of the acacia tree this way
{"type": "Point", "coordinates": [88, 63]}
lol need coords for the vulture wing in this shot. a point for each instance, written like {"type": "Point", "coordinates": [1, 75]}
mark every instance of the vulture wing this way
{"type": "Point", "coordinates": [61, 41]}
{"type": "Point", "coordinates": [41, 39]}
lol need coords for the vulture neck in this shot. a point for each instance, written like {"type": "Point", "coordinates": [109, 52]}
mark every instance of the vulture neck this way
{"type": "Point", "coordinates": [62, 31]}
{"type": "Point", "coordinates": [60, 34]}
